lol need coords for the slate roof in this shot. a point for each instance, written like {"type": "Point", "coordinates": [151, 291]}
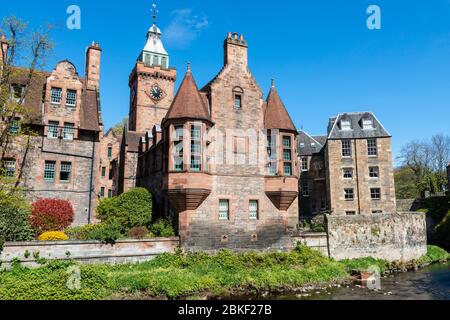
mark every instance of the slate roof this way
{"type": "Point", "coordinates": [188, 103]}
{"type": "Point", "coordinates": [357, 132]}
{"type": "Point", "coordinates": [89, 113]}
{"type": "Point", "coordinates": [133, 140]}
{"type": "Point", "coordinates": [308, 145]}
{"type": "Point", "coordinates": [276, 115]}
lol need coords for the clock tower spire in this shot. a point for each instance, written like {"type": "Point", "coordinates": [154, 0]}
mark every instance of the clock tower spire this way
{"type": "Point", "coordinates": [151, 82]}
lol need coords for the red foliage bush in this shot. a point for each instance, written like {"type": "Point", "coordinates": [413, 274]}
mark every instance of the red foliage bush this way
{"type": "Point", "coordinates": [51, 215]}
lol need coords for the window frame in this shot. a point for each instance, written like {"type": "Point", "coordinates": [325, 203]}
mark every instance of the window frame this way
{"type": "Point", "coordinates": [73, 98]}
{"type": "Point", "coordinates": [69, 131]}
{"type": "Point", "coordinates": [372, 147]}
{"type": "Point", "coordinates": [9, 167]}
{"type": "Point", "coordinates": [374, 195]}
{"type": "Point", "coordinates": [63, 169]}
{"type": "Point", "coordinates": [196, 164]}
{"type": "Point", "coordinates": [345, 171]}
{"type": "Point", "coordinates": [305, 190]}
{"type": "Point", "coordinates": [346, 125]}
{"type": "Point", "coordinates": [58, 96]}
{"type": "Point", "coordinates": [347, 150]}
{"type": "Point", "coordinates": [252, 215]}
{"type": "Point", "coordinates": [372, 172]}
{"type": "Point", "coordinates": [305, 164]}
{"type": "Point", "coordinates": [349, 194]}
{"type": "Point", "coordinates": [50, 171]}
{"type": "Point", "coordinates": [53, 130]}
{"type": "Point", "coordinates": [221, 211]}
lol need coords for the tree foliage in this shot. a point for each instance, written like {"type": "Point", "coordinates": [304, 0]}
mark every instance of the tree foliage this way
{"type": "Point", "coordinates": [14, 214]}
{"type": "Point", "coordinates": [427, 160]}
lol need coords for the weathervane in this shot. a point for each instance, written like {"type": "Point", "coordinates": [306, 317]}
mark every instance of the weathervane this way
{"type": "Point", "coordinates": [154, 12]}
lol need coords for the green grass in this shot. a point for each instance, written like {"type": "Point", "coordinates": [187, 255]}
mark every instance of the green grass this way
{"type": "Point", "coordinates": [185, 275]}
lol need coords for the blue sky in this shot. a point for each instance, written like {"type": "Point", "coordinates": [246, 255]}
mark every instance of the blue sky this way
{"type": "Point", "coordinates": [323, 57]}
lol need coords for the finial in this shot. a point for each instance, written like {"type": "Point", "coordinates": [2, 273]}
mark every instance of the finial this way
{"type": "Point", "coordinates": [189, 67]}
{"type": "Point", "coordinates": [273, 83]}
{"type": "Point", "coordinates": [155, 12]}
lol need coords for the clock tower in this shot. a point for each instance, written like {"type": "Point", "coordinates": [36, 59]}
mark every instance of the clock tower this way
{"type": "Point", "coordinates": [151, 83]}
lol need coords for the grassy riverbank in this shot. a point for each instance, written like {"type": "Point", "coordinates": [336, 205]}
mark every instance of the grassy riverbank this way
{"type": "Point", "coordinates": [182, 276]}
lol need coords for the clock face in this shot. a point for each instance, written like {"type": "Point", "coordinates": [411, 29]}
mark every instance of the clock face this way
{"type": "Point", "coordinates": [156, 93]}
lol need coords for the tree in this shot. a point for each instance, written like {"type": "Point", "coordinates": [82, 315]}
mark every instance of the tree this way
{"type": "Point", "coordinates": [18, 47]}
{"type": "Point", "coordinates": [428, 159]}
{"type": "Point", "coordinates": [405, 185]}
{"type": "Point", "coordinates": [118, 128]}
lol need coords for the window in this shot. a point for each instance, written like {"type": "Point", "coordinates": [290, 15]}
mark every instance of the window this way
{"type": "Point", "coordinates": [372, 148]}
{"type": "Point", "coordinates": [178, 133]}
{"type": "Point", "coordinates": [374, 172]}
{"type": "Point", "coordinates": [375, 193]}
{"type": "Point", "coordinates": [68, 132]}
{"type": "Point", "coordinates": [9, 168]}
{"type": "Point", "coordinates": [49, 170]}
{"type": "Point", "coordinates": [348, 173]}
{"type": "Point", "coordinates": [377, 211]}
{"type": "Point", "coordinates": [302, 145]}
{"type": "Point", "coordinates": [110, 150]}
{"type": "Point", "coordinates": [53, 129]}
{"type": "Point", "coordinates": [286, 142]}
{"type": "Point", "coordinates": [287, 155]}
{"type": "Point", "coordinates": [155, 60]}
{"type": "Point", "coordinates": [346, 148]}
{"type": "Point", "coordinates": [110, 193]}
{"type": "Point", "coordinates": [103, 172]}
{"type": "Point", "coordinates": [102, 192]}
{"type": "Point", "coordinates": [305, 190]}
{"type": "Point", "coordinates": [271, 153]}
{"type": "Point", "coordinates": [238, 101]}
{"type": "Point", "coordinates": [196, 148]}
{"type": "Point", "coordinates": [14, 128]}
{"type": "Point", "coordinates": [346, 125]}
{"type": "Point", "coordinates": [71, 99]}
{"type": "Point", "coordinates": [66, 169]}
{"type": "Point", "coordinates": [367, 124]}
{"type": "Point", "coordinates": [253, 210]}
{"type": "Point", "coordinates": [287, 169]}
{"type": "Point", "coordinates": [314, 208]}
{"type": "Point", "coordinates": [349, 194]}
{"type": "Point", "coordinates": [350, 213]}
{"type": "Point", "coordinates": [56, 96]}
{"type": "Point", "coordinates": [304, 164]}
{"type": "Point", "coordinates": [224, 209]}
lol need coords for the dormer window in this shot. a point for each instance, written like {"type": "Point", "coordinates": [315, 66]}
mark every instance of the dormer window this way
{"type": "Point", "coordinates": [346, 125]}
{"type": "Point", "coordinates": [367, 124]}
{"type": "Point", "coordinates": [17, 92]}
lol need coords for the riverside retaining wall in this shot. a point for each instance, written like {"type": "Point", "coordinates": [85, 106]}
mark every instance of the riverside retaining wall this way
{"type": "Point", "coordinates": [392, 237]}
{"type": "Point", "coordinates": [125, 251]}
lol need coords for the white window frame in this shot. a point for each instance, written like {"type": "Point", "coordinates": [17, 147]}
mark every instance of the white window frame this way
{"type": "Point", "coordinates": [345, 175]}
{"type": "Point", "coordinates": [373, 170]}
{"type": "Point", "coordinates": [69, 131]}
{"type": "Point", "coordinates": [71, 99]}
{"type": "Point", "coordinates": [374, 193]}
{"type": "Point", "coordinates": [305, 164]}
{"type": "Point", "coordinates": [346, 125]}
{"type": "Point", "coordinates": [305, 190]}
{"type": "Point", "coordinates": [224, 209]}
{"type": "Point", "coordinates": [347, 148]}
{"type": "Point", "coordinates": [372, 147]}
{"type": "Point", "coordinates": [53, 130]}
{"type": "Point", "coordinates": [367, 124]}
{"type": "Point", "coordinates": [347, 193]}
{"type": "Point", "coordinates": [66, 167]}
{"type": "Point", "coordinates": [50, 168]}
{"type": "Point", "coordinates": [9, 167]}
{"type": "Point", "coordinates": [56, 95]}
{"type": "Point", "coordinates": [253, 210]}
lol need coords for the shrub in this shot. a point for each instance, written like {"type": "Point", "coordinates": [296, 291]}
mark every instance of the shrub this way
{"type": "Point", "coordinates": [14, 214]}
{"type": "Point", "coordinates": [138, 233]}
{"type": "Point", "coordinates": [129, 210]}
{"type": "Point", "coordinates": [53, 236]}
{"type": "Point", "coordinates": [81, 233]}
{"type": "Point", "coordinates": [51, 214]}
{"type": "Point", "coordinates": [163, 228]}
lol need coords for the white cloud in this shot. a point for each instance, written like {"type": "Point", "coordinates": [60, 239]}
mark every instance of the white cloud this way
{"type": "Point", "coordinates": [184, 28]}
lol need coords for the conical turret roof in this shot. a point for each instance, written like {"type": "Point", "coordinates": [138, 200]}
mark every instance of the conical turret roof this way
{"type": "Point", "coordinates": [276, 116]}
{"type": "Point", "coordinates": [188, 103]}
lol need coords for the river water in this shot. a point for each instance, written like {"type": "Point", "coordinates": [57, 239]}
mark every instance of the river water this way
{"type": "Point", "coordinates": [431, 283]}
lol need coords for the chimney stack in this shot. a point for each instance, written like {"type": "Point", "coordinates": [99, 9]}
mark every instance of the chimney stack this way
{"type": "Point", "coordinates": [93, 59]}
{"type": "Point", "coordinates": [235, 50]}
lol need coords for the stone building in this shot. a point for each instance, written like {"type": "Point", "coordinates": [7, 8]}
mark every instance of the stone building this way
{"type": "Point", "coordinates": [63, 110]}
{"type": "Point", "coordinates": [204, 152]}
{"type": "Point", "coordinates": [109, 151]}
{"type": "Point", "coordinates": [350, 171]}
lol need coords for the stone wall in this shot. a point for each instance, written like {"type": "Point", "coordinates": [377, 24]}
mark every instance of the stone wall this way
{"type": "Point", "coordinates": [313, 240]}
{"type": "Point", "coordinates": [88, 252]}
{"type": "Point", "coordinates": [407, 205]}
{"type": "Point", "coordinates": [393, 237]}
